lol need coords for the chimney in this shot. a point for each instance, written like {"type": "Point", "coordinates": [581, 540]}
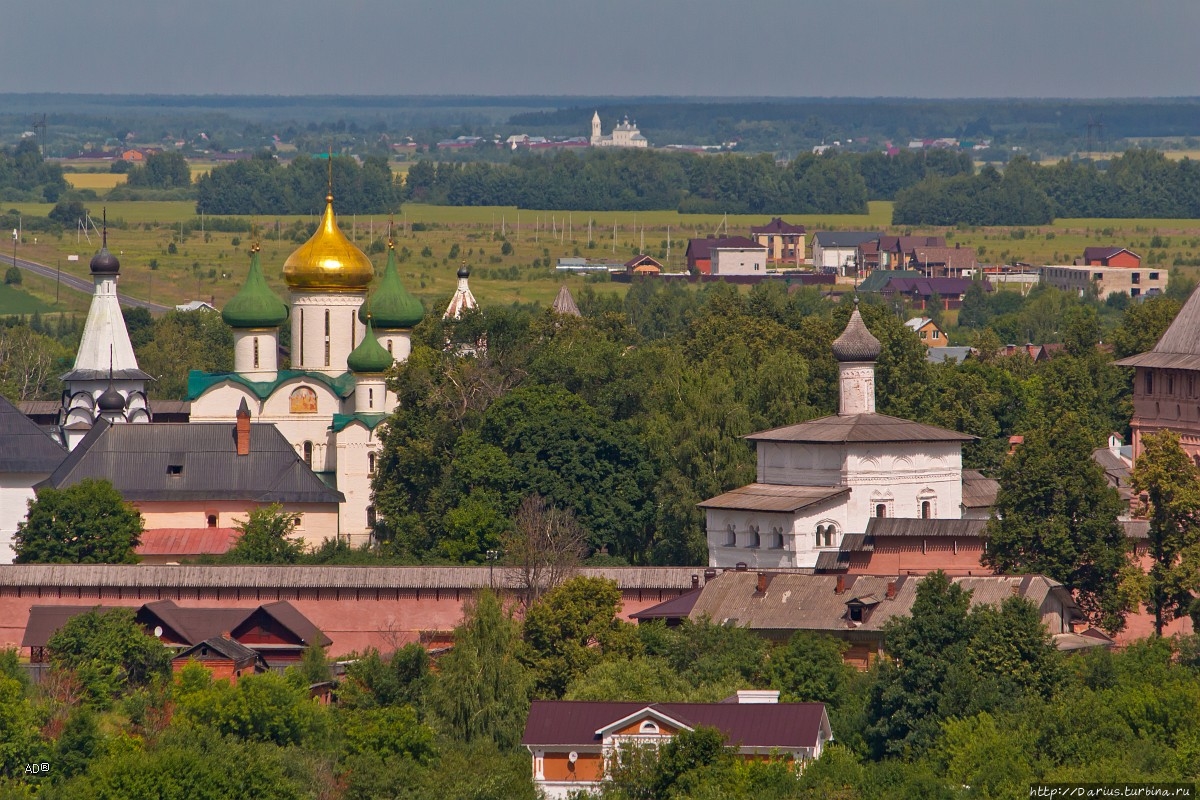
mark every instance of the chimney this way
{"type": "Point", "coordinates": [695, 581]}
{"type": "Point", "coordinates": [841, 585]}
{"type": "Point", "coordinates": [891, 590]}
{"type": "Point", "coordinates": [741, 566]}
{"type": "Point", "coordinates": [243, 429]}
{"type": "Point", "coordinates": [761, 588]}
{"type": "Point", "coordinates": [709, 574]}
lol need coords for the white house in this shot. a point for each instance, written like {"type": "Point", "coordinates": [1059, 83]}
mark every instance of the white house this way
{"type": "Point", "coordinates": [838, 250]}
{"type": "Point", "coordinates": [733, 258]}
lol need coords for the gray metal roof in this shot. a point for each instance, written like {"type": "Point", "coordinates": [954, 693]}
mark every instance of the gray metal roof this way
{"type": "Point", "coordinates": [774, 497]}
{"type": "Point", "coordinates": [859, 428]}
{"type": "Point", "coordinates": [1179, 347]}
{"type": "Point", "coordinates": [194, 576]}
{"type": "Point", "coordinates": [811, 602]}
{"type": "Point", "coordinates": [936, 355]}
{"type": "Point", "coordinates": [193, 461]}
{"type": "Point", "coordinates": [978, 491]}
{"type": "Point", "coordinates": [24, 447]}
{"type": "Point", "coordinates": [843, 238]}
{"type": "Point", "coordinates": [897, 526]}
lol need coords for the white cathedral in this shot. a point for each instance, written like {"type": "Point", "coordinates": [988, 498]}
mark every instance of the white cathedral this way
{"type": "Point", "coordinates": [331, 400]}
{"type": "Point", "coordinates": [625, 134]}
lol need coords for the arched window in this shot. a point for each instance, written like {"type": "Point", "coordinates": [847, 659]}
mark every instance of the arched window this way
{"type": "Point", "coordinates": [389, 347]}
{"type": "Point", "coordinates": [820, 534]}
{"type": "Point", "coordinates": [648, 727]}
{"type": "Point", "coordinates": [776, 540]}
{"type": "Point", "coordinates": [881, 510]}
{"type": "Point", "coordinates": [308, 450]}
{"type": "Point", "coordinates": [926, 509]}
{"type": "Point", "coordinates": [370, 463]}
{"type": "Point", "coordinates": [829, 536]}
{"type": "Point", "coordinates": [370, 516]}
{"type": "Point", "coordinates": [256, 352]}
{"type": "Point", "coordinates": [370, 397]}
{"type": "Point", "coordinates": [212, 520]}
{"type": "Point", "coordinates": [754, 541]}
{"type": "Point", "coordinates": [730, 535]}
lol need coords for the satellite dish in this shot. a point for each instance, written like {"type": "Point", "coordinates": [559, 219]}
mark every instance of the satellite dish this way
{"type": "Point", "coordinates": [158, 631]}
{"type": "Point", "coordinates": [572, 757]}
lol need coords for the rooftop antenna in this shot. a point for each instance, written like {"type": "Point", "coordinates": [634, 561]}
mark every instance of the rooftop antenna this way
{"type": "Point", "coordinates": [104, 233]}
{"type": "Point", "coordinates": [329, 198]}
{"type": "Point", "coordinates": [39, 127]}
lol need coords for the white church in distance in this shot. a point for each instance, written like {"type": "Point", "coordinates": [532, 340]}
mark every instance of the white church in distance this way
{"type": "Point", "coordinates": [625, 134]}
{"type": "Point", "coordinates": [823, 479]}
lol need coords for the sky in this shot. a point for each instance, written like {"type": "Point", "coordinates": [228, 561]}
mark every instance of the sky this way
{"type": "Point", "coordinates": [778, 48]}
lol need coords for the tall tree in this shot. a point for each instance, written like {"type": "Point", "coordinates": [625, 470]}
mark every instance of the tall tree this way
{"type": "Point", "coordinates": [1057, 516]}
{"type": "Point", "coordinates": [267, 536]}
{"type": "Point", "coordinates": [109, 652]}
{"type": "Point", "coordinates": [1170, 483]}
{"type": "Point", "coordinates": [88, 523]}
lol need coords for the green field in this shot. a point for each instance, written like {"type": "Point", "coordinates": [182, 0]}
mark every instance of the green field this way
{"type": "Point", "coordinates": [14, 301]}
{"type": "Point", "coordinates": [211, 266]}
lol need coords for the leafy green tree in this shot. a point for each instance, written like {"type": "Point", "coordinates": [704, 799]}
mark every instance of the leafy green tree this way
{"type": "Point", "coordinates": [1170, 482]}
{"type": "Point", "coordinates": [404, 678]}
{"type": "Point", "coordinates": [167, 170]}
{"type": "Point", "coordinates": [645, 679]}
{"type": "Point", "coordinates": [906, 698]}
{"type": "Point", "coordinates": [573, 627]}
{"type": "Point", "coordinates": [19, 741]}
{"type": "Point", "coordinates": [482, 691]}
{"type": "Point", "coordinates": [1143, 325]}
{"type": "Point", "coordinates": [260, 708]}
{"type": "Point", "coordinates": [30, 363]}
{"type": "Point", "coordinates": [267, 537]}
{"type": "Point", "coordinates": [1057, 516]}
{"type": "Point", "coordinates": [109, 652]}
{"type": "Point", "coordinates": [88, 523]}
{"type": "Point", "coordinates": [387, 731]}
{"type": "Point", "coordinates": [181, 341]}
{"type": "Point", "coordinates": [809, 668]}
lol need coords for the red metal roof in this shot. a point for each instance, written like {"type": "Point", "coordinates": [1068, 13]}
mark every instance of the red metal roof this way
{"type": "Point", "coordinates": [186, 541]}
{"type": "Point", "coordinates": [787, 726]}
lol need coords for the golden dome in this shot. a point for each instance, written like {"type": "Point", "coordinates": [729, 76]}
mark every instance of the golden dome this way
{"type": "Point", "coordinates": [328, 261]}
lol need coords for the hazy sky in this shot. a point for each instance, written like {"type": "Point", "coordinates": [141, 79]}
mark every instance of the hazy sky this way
{"type": "Point", "coordinates": [901, 48]}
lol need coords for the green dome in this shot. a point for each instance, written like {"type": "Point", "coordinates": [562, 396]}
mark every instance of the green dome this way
{"type": "Point", "coordinates": [255, 306]}
{"type": "Point", "coordinates": [369, 356]}
{"type": "Point", "coordinates": [391, 306]}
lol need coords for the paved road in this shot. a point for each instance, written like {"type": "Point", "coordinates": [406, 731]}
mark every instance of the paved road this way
{"type": "Point", "coordinates": [78, 284]}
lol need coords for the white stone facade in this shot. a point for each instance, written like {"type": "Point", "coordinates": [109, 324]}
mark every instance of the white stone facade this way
{"type": "Point", "coordinates": [739, 260]}
{"type": "Point", "coordinates": [325, 329]}
{"type": "Point", "coordinates": [625, 134]}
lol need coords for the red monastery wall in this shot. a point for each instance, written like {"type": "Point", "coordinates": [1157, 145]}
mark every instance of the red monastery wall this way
{"type": "Point", "coordinates": [354, 617]}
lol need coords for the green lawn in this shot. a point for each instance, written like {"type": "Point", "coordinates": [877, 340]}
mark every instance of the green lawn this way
{"type": "Point", "coordinates": [14, 301]}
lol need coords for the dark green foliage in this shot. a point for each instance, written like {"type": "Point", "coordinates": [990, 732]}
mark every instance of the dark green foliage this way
{"type": "Point", "coordinates": [168, 170]}
{"type": "Point", "coordinates": [262, 186]}
{"type": "Point", "coordinates": [403, 679]}
{"type": "Point", "coordinates": [12, 276]}
{"type": "Point", "coordinates": [260, 708]}
{"type": "Point", "coordinates": [178, 342]}
{"type": "Point", "coordinates": [809, 669]}
{"type": "Point", "coordinates": [25, 175]}
{"type": "Point", "coordinates": [88, 523]}
{"type": "Point", "coordinates": [267, 536]}
{"type": "Point", "coordinates": [109, 653]}
{"type": "Point", "coordinates": [1057, 516]}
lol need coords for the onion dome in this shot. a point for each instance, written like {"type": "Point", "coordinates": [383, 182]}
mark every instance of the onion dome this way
{"type": "Point", "coordinates": [369, 356]}
{"type": "Point", "coordinates": [110, 400]}
{"type": "Point", "coordinates": [856, 342]}
{"type": "Point", "coordinates": [391, 306]}
{"type": "Point", "coordinates": [328, 260]}
{"type": "Point", "coordinates": [255, 305]}
{"type": "Point", "coordinates": [464, 272]}
{"type": "Point", "coordinates": [104, 262]}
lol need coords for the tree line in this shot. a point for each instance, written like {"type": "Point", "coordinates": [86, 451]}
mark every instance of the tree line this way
{"type": "Point", "coordinates": [26, 177]}
{"type": "Point", "coordinates": [262, 185]}
{"type": "Point", "coordinates": [1138, 184]}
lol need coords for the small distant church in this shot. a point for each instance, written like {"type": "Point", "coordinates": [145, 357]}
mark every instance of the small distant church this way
{"type": "Point", "coordinates": [625, 134]}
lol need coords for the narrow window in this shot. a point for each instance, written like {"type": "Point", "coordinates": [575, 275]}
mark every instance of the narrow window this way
{"type": "Point", "coordinates": [353, 332]}
{"type": "Point", "coordinates": [212, 520]}
{"type": "Point", "coordinates": [1170, 384]}
{"type": "Point", "coordinates": [820, 533]}
{"type": "Point", "coordinates": [1149, 382]}
{"type": "Point", "coordinates": [370, 516]}
{"type": "Point", "coordinates": [829, 536]}
{"type": "Point", "coordinates": [389, 347]}
{"type": "Point", "coordinates": [308, 450]}
{"type": "Point", "coordinates": [926, 509]}
{"type": "Point", "coordinates": [327, 337]}
{"type": "Point", "coordinates": [301, 321]}
{"type": "Point", "coordinates": [370, 463]}
{"type": "Point", "coordinates": [881, 510]}
{"type": "Point", "coordinates": [256, 352]}
{"type": "Point", "coordinates": [370, 398]}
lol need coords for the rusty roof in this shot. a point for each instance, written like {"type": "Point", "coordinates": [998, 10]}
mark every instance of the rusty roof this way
{"type": "Point", "coordinates": [897, 526]}
{"type": "Point", "coordinates": [859, 428]}
{"type": "Point", "coordinates": [186, 541]}
{"type": "Point", "coordinates": [772, 497]}
{"type": "Point", "coordinates": [810, 602]}
{"type": "Point", "coordinates": [787, 726]}
{"type": "Point", "coordinates": [675, 608]}
{"type": "Point", "coordinates": [202, 576]}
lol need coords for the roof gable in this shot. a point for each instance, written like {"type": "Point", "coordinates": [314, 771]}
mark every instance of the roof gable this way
{"type": "Point", "coordinates": [24, 447]}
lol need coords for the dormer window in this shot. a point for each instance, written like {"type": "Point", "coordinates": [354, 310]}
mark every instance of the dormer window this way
{"type": "Point", "coordinates": [174, 470]}
{"type": "Point", "coordinates": [856, 613]}
{"type": "Point", "coordinates": [649, 727]}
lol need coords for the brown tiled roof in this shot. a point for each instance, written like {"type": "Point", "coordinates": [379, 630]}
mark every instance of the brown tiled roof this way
{"type": "Point", "coordinates": [1179, 347]}
{"type": "Point", "coordinates": [186, 541]}
{"type": "Point", "coordinates": [778, 498]}
{"type": "Point", "coordinates": [1105, 253]}
{"type": "Point", "coordinates": [787, 726]}
{"type": "Point", "coordinates": [637, 261]}
{"type": "Point", "coordinates": [675, 608]}
{"type": "Point", "coordinates": [235, 651]}
{"type": "Point", "coordinates": [859, 428]}
{"type": "Point", "coordinates": [44, 621]}
{"type": "Point", "coordinates": [898, 526]}
{"type": "Point", "coordinates": [810, 602]}
{"type": "Point", "coordinates": [777, 225]}
{"type": "Point", "coordinates": [978, 491]}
